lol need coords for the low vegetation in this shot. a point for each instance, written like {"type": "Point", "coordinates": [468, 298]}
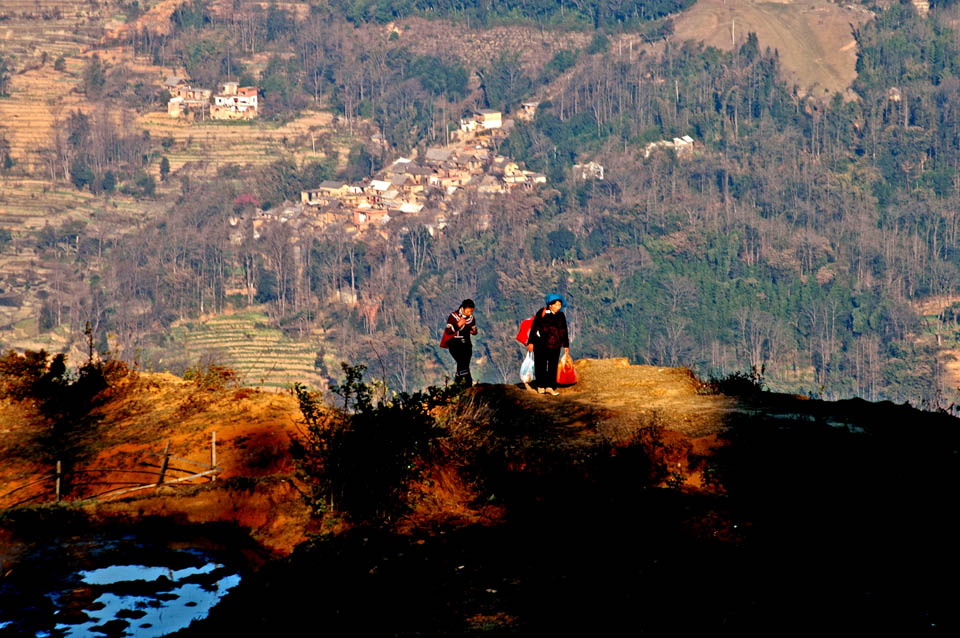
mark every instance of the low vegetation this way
{"type": "Point", "coordinates": [363, 456]}
{"type": "Point", "coordinates": [372, 455]}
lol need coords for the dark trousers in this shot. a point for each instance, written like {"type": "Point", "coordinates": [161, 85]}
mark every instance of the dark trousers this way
{"type": "Point", "coordinates": [462, 352]}
{"type": "Point", "coordinates": [545, 362]}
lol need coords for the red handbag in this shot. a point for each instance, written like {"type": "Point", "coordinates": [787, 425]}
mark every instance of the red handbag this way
{"type": "Point", "coordinates": [445, 338]}
{"type": "Point", "coordinates": [566, 373]}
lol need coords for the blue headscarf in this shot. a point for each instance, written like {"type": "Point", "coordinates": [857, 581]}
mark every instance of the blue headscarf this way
{"type": "Point", "coordinates": [555, 297]}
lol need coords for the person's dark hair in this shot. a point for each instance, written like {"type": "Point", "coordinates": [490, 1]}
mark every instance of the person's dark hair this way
{"type": "Point", "coordinates": [467, 303]}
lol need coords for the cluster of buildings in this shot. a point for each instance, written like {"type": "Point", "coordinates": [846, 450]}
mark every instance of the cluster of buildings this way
{"type": "Point", "coordinates": [232, 102]}
{"type": "Point", "coordinates": [429, 188]}
{"type": "Point", "coordinates": [425, 187]}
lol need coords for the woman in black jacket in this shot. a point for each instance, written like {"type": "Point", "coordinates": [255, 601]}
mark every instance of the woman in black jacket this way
{"type": "Point", "coordinates": [548, 335]}
{"type": "Point", "coordinates": [461, 325]}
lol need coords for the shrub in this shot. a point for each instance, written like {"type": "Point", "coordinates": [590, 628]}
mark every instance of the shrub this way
{"type": "Point", "coordinates": [739, 384]}
{"type": "Point", "coordinates": [25, 376]}
{"type": "Point", "coordinates": [109, 182]}
{"type": "Point", "coordinates": [81, 174]}
{"type": "Point", "coordinates": [62, 395]}
{"type": "Point", "coordinates": [211, 376]}
{"type": "Point", "coordinates": [361, 458]}
{"type": "Point", "coordinates": [599, 43]}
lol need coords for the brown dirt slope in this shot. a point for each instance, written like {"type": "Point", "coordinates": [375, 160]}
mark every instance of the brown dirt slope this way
{"type": "Point", "coordinates": [257, 488]}
{"type": "Point", "coordinates": [814, 37]}
{"type": "Point", "coordinates": [615, 399]}
{"type": "Point", "coordinates": [634, 394]}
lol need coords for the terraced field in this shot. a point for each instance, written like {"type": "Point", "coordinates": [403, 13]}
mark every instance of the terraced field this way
{"type": "Point", "coordinates": [209, 145]}
{"type": "Point", "coordinates": [38, 99]}
{"type": "Point", "coordinates": [261, 356]}
{"type": "Point", "coordinates": [28, 204]}
{"type": "Point", "coordinates": [58, 27]}
{"type": "Point", "coordinates": [25, 270]}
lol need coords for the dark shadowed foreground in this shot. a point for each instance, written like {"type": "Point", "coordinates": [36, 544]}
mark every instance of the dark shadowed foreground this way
{"type": "Point", "coordinates": [758, 514]}
{"type": "Point", "coordinates": [640, 501]}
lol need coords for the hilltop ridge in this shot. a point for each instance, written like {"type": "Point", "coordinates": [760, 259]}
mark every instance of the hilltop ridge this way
{"type": "Point", "coordinates": [612, 401]}
{"type": "Point", "coordinates": [814, 39]}
{"type": "Point", "coordinates": [541, 512]}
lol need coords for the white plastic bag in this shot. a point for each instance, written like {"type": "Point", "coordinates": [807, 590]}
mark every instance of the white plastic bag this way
{"type": "Point", "coordinates": [526, 368]}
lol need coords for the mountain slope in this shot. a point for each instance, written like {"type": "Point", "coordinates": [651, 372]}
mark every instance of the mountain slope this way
{"type": "Point", "coordinates": [814, 38]}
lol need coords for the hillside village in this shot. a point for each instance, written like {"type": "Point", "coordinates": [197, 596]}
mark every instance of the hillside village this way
{"type": "Point", "coordinates": [422, 188]}
{"type": "Point", "coordinates": [430, 188]}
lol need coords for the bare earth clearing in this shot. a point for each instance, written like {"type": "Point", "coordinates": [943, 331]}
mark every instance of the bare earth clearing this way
{"type": "Point", "coordinates": [814, 38]}
{"type": "Point", "coordinates": [138, 416]}
{"type": "Point", "coordinates": [615, 399]}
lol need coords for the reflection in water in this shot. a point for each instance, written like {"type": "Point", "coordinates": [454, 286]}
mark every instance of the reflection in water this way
{"type": "Point", "coordinates": [171, 589]}
{"type": "Point", "coordinates": [178, 600]}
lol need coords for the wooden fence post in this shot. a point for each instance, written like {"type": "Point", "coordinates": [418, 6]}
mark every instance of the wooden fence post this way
{"type": "Point", "coordinates": [163, 464]}
{"type": "Point", "coordinates": [59, 474]}
{"type": "Point", "coordinates": [213, 454]}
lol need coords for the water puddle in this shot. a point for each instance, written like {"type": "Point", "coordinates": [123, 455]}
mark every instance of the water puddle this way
{"type": "Point", "coordinates": [114, 587]}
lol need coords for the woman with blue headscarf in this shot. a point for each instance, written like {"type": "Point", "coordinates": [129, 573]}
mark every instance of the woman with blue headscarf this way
{"type": "Point", "coordinates": [548, 336]}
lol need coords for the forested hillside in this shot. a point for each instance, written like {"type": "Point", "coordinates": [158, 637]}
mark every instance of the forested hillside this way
{"type": "Point", "coordinates": [589, 13]}
{"type": "Point", "coordinates": [799, 239]}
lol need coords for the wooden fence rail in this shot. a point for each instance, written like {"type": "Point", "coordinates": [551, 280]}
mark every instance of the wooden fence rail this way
{"type": "Point", "coordinates": [121, 487]}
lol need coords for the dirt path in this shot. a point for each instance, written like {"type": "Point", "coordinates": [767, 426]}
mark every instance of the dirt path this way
{"type": "Point", "coordinates": [616, 399]}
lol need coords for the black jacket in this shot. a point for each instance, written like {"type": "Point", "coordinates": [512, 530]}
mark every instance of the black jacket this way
{"type": "Point", "coordinates": [549, 330]}
{"type": "Point", "coordinates": [462, 334]}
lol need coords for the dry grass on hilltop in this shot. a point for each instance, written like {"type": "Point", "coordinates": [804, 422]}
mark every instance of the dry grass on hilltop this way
{"type": "Point", "coordinates": [813, 37]}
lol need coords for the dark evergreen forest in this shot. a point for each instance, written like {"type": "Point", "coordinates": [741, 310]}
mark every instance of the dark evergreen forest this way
{"type": "Point", "coordinates": [796, 241]}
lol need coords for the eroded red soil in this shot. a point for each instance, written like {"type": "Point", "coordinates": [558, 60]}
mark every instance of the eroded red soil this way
{"type": "Point", "coordinates": [257, 487]}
